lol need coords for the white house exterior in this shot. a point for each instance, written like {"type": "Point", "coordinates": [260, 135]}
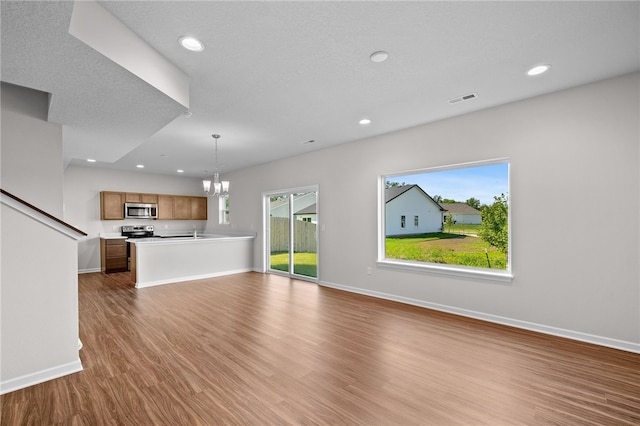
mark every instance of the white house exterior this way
{"type": "Point", "coordinates": [410, 210]}
{"type": "Point", "coordinates": [462, 213]}
{"type": "Point", "coordinates": [307, 214]}
{"type": "Point", "coordinates": [304, 207]}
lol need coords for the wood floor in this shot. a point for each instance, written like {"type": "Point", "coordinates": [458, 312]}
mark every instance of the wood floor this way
{"type": "Point", "coordinates": [256, 349]}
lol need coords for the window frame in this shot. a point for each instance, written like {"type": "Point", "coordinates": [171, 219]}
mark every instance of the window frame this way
{"type": "Point", "coordinates": [223, 209]}
{"type": "Point", "coordinates": [497, 275]}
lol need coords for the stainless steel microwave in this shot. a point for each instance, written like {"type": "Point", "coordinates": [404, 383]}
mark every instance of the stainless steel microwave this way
{"type": "Point", "coordinates": [140, 211]}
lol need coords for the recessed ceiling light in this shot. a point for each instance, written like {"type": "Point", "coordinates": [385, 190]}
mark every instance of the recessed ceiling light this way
{"type": "Point", "coordinates": [180, 171]}
{"type": "Point", "coordinates": [191, 43]}
{"type": "Point", "coordinates": [91, 160]}
{"type": "Point", "coordinates": [379, 56]}
{"type": "Point", "coordinates": [140, 166]}
{"type": "Point", "coordinates": [538, 69]}
{"type": "Point", "coordinates": [365, 121]}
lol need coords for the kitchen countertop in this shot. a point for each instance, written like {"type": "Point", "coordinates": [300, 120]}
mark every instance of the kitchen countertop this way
{"type": "Point", "coordinates": [156, 239]}
{"type": "Point", "coordinates": [113, 236]}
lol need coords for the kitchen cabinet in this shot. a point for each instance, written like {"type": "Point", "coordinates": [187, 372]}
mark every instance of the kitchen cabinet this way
{"type": "Point", "coordinates": [199, 208]}
{"type": "Point", "coordinates": [131, 197]}
{"type": "Point", "coordinates": [181, 208]}
{"type": "Point", "coordinates": [112, 205]}
{"type": "Point", "coordinates": [170, 207]}
{"type": "Point", "coordinates": [113, 255]}
{"type": "Point", "coordinates": [165, 207]}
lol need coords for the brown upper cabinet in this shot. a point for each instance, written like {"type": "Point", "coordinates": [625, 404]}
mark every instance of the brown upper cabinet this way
{"type": "Point", "coordinates": [181, 207]}
{"type": "Point", "coordinates": [198, 208]}
{"type": "Point", "coordinates": [112, 205]}
{"type": "Point", "coordinates": [131, 197]}
{"type": "Point", "coordinates": [165, 207]}
{"type": "Point", "coordinates": [170, 207]}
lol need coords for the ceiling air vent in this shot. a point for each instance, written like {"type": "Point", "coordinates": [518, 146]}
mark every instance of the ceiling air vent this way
{"type": "Point", "coordinates": [463, 98]}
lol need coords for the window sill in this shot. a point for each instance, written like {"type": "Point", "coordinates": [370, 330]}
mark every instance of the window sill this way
{"type": "Point", "coordinates": [449, 270]}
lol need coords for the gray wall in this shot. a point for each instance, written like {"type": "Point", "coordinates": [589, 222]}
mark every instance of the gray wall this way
{"type": "Point", "coordinates": [31, 149]}
{"type": "Point", "coordinates": [574, 154]}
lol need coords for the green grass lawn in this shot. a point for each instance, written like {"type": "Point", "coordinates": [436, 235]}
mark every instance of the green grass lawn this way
{"type": "Point", "coordinates": [304, 263]}
{"type": "Point", "coordinates": [446, 248]}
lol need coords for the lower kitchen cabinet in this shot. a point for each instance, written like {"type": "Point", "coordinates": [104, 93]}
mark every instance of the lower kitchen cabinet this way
{"type": "Point", "coordinates": [113, 255]}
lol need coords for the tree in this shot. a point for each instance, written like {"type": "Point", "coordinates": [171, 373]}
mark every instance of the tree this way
{"type": "Point", "coordinates": [393, 184]}
{"type": "Point", "coordinates": [494, 228]}
{"type": "Point", "coordinates": [448, 200]}
{"type": "Point", "coordinates": [473, 202]}
{"type": "Point", "coordinates": [449, 221]}
{"type": "Point", "coordinates": [437, 198]}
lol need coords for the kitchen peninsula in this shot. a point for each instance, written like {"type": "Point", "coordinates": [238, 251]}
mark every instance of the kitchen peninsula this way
{"type": "Point", "coordinates": [156, 261]}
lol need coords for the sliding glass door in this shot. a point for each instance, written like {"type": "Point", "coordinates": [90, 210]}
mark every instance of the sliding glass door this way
{"type": "Point", "coordinates": [293, 233]}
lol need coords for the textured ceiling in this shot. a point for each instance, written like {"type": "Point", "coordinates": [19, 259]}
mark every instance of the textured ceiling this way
{"type": "Point", "coordinates": [274, 75]}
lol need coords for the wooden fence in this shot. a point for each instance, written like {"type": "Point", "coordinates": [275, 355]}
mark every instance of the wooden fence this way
{"type": "Point", "coordinates": [304, 235]}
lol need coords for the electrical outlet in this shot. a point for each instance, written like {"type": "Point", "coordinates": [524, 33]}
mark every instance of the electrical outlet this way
{"type": "Point", "coordinates": [369, 270]}
{"type": "Point", "coordinates": [166, 227]}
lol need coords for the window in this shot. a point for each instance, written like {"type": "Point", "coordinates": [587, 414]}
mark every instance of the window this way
{"type": "Point", "coordinates": [461, 220]}
{"type": "Point", "coordinates": [223, 209]}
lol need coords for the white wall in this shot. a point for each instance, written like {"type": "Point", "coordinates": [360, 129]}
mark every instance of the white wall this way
{"type": "Point", "coordinates": [31, 149]}
{"type": "Point", "coordinates": [39, 304]}
{"type": "Point", "coordinates": [39, 312]}
{"type": "Point", "coordinates": [82, 186]}
{"type": "Point", "coordinates": [575, 275]}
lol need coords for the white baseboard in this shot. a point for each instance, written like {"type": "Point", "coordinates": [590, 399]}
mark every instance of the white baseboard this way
{"type": "Point", "coordinates": [191, 278]}
{"type": "Point", "coordinates": [89, 271]}
{"type": "Point", "coordinates": [31, 379]}
{"type": "Point", "coordinates": [570, 334]}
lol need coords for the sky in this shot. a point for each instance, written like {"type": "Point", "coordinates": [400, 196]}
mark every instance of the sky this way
{"type": "Point", "coordinates": [481, 182]}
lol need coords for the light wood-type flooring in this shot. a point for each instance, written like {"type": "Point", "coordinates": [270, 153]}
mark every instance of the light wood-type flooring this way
{"type": "Point", "coordinates": [257, 349]}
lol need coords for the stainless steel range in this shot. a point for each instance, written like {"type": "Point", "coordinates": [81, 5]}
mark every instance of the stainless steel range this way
{"type": "Point", "coordinates": [137, 231]}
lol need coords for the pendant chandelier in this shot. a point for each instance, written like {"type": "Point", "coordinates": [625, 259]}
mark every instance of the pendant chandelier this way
{"type": "Point", "coordinates": [219, 187]}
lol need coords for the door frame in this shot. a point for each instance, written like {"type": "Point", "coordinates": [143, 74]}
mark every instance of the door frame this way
{"type": "Point", "coordinates": [266, 225]}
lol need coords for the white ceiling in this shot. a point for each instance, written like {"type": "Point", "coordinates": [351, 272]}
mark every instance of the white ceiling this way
{"type": "Point", "coordinates": [274, 75]}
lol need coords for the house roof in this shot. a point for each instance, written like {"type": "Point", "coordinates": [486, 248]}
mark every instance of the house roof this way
{"type": "Point", "coordinates": [311, 209]}
{"type": "Point", "coordinates": [308, 210]}
{"type": "Point", "coordinates": [395, 191]}
{"type": "Point", "coordinates": [459, 208]}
